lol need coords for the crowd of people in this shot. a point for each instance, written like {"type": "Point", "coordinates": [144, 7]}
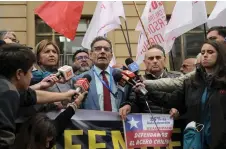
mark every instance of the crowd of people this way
{"type": "Point", "coordinates": [28, 81]}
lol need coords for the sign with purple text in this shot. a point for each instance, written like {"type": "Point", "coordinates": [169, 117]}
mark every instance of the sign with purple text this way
{"type": "Point", "coordinates": [148, 130]}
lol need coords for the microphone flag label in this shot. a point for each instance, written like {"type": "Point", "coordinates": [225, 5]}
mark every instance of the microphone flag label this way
{"type": "Point", "coordinates": [148, 130]}
{"type": "Point", "coordinates": [84, 83]}
{"type": "Point", "coordinates": [133, 67]}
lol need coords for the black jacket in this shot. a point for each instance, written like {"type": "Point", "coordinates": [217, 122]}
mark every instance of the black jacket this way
{"type": "Point", "coordinates": [140, 106]}
{"type": "Point", "coordinates": [10, 102]}
{"type": "Point", "coordinates": [9, 105]}
{"type": "Point", "coordinates": [187, 100]}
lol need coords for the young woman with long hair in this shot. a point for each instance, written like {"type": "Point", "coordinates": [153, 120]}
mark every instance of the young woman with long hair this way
{"type": "Point", "coordinates": [203, 97]}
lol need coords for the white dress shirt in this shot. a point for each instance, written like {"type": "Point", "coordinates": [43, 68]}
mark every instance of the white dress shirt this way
{"type": "Point", "coordinates": [99, 87]}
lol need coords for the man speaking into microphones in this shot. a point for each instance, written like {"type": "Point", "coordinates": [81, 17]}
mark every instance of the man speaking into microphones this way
{"type": "Point", "coordinates": [104, 93]}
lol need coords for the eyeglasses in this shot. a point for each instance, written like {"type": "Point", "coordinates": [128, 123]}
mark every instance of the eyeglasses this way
{"type": "Point", "coordinates": [99, 48]}
{"type": "Point", "coordinates": [82, 57]}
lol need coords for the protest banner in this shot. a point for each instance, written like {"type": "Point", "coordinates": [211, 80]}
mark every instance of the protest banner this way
{"type": "Point", "coordinates": [152, 130]}
{"type": "Point", "coordinates": [91, 129]}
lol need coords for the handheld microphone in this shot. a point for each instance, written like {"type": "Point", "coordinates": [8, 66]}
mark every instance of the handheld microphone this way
{"type": "Point", "coordinates": [82, 84]}
{"type": "Point", "coordinates": [121, 77]}
{"type": "Point", "coordinates": [129, 74]}
{"type": "Point", "coordinates": [132, 66]}
{"type": "Point", "coordinates": [66, 72]}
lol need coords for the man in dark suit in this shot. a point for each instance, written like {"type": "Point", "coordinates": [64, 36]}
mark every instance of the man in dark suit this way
{"type": "Point", "coordinates": [104, 93]}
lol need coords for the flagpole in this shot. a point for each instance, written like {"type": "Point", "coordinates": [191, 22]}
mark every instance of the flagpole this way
{"type": "Point", "coordinates": [205, 30]}
{"type": "Point", "coordinates": [128, 36]}
{"type": "Point", "coordinates": [127, 44]}
{"type": "Point", "coordinates": [135, 5]}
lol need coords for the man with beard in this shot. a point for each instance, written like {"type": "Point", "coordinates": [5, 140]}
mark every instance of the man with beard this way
{"type": "Point", "coordinates": [81, 59]}
{"type": "Point", "coordinates": [188, 65]}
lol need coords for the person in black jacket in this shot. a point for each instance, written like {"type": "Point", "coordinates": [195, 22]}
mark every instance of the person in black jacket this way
{"type": "Point", "coordinates": [15, 72]}
{"type": "Point", "coordinates": [39, 132]}
{"type": "Point", "coordinates": [16, 63]}
{"type": "Point", "coordinates": [202, 98]}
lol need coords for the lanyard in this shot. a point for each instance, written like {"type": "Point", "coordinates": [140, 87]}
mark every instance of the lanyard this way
{"type": "Point", "coordinates": [104, 83]}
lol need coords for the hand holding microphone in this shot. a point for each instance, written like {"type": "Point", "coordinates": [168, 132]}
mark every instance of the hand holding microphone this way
{"type": "Point", "coordinates": [65, 72]}
{"type": "Point", "coordinates": [48, 81]}
{"type": "Point", "coordinates": [82, 84]}
{"type": "Point", "coordinates": [128, 78]}
{"type": "Point", "coordinates": [78, 100]}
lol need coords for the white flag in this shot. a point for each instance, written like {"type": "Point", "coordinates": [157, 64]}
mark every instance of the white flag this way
{"type": "Point", "coordinates": [105, 19]}
{"type": "Point", "coordinates": [154, 20]}
{"type": "Point", "coordinates": [142, 47]}
{"type": "Point", "coordinates": [218, 15]}
{"type": "Point", "coordinates": [186, 16]}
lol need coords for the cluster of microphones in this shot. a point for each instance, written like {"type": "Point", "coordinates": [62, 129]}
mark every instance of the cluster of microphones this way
{"type": "Point", "coordinates": [129, 76]}
{"type": "Point", "coordinates": [126, 76]}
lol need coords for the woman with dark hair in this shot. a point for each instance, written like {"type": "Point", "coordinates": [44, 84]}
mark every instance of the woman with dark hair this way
{"type": "Point", "coordinates": [203, 97]}
{"type": "Point", "coordinates": [39, 132]}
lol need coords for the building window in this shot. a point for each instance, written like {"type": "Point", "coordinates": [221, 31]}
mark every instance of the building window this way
{"type": "Point", "coordinates": [43, 31]}
{"type": "Point", "coordinates": [186, 46]}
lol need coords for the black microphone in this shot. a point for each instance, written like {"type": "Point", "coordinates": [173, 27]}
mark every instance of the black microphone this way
{"type": "Point", "coordinates": [132, 66]}
{"type": "Point", "coordinates": [127, 78]}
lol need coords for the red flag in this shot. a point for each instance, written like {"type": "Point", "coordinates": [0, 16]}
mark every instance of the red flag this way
{"type": "Point", "coordinates": [62, 16]}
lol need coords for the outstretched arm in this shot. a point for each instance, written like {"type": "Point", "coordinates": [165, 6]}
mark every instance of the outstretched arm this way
{"type": "Point", "coordinates": [176, 99]}
{"type": "Point", "coordinates": [166, 84]}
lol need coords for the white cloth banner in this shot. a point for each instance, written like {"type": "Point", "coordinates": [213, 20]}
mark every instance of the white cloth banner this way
{"type": "Point", "coordinates": [186, 16]}
{"type": "Point", "coordinates": [154, 20]}
{"type": "Point", "coordinates": [217, 17]}
{"type": "Point", "coordinates": [105, 19]}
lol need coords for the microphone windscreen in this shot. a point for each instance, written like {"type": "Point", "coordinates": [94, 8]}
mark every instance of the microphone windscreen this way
{"type": "Point", "coordinates": [129, 61]}
{"type": "Point", "coordinates": [117, 75]}
{"type": "Point", "coordinates": [88, 77]}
